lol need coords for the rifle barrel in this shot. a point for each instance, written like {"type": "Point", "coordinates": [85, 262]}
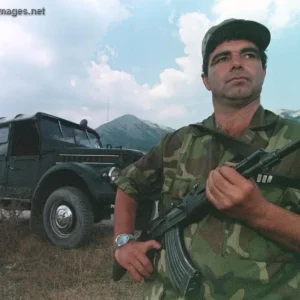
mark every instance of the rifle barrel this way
{"type": "Point", "coordinates": [287, 149]}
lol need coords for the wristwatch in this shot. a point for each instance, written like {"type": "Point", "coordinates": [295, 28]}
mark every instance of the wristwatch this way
{"type": "Point", "coordinates": [122, 239]}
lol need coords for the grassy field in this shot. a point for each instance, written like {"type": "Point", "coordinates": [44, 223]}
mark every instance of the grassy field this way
{"type": "Point", "coordinates": [32, 269]}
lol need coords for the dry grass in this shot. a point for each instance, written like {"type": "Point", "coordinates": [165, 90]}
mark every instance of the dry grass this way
{"type": "Point", "coordinates": [32, 269]}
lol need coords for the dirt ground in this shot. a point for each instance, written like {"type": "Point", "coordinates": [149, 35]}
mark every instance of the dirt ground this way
{"type": "Point", "coordinates": [32, 269]}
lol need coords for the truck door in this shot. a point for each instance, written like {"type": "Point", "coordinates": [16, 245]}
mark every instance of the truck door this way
{"type": "Point", "coordinates": [23, 161]}
{"type": "Point", "coordinates": [4, 133]}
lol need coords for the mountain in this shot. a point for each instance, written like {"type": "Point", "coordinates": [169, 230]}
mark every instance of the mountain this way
{"type": "Point", "coordinates": [289, 114]}
{"type": "Point", "coordinates": [131, 132]}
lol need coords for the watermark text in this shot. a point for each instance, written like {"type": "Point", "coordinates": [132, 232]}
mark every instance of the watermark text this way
{"type": "Point", "coordinates": [14, 12]}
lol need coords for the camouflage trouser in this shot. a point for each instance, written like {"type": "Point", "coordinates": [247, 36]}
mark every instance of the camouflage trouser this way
{"type": "Point", "coordinates": [160, 288]}
{"type": "Point", "coordinates": [156, 290]}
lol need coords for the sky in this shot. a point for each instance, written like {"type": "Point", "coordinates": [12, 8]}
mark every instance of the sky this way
{"type": "Point", "coordinates": [100, 59]}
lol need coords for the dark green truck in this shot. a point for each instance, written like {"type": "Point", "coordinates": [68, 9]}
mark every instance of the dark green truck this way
{"type": "Point", "coordinates": [60, 171]}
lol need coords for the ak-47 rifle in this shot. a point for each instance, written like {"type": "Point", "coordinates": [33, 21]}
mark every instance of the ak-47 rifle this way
{"type": "Point", "coordinates": [167, 228]}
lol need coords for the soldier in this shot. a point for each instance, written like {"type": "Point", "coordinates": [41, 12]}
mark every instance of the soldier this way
{"type": "Point", "coordinates": [249, 246]}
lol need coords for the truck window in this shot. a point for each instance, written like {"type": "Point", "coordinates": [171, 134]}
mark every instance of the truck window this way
{"type": "Point", "coordinates": [51, 130]}
{"type": "Point", "coordinates": [25, 139]}
{"type": "Point", "coordinates": [3, 139]}
{"type": "Point", "coordinates": [66, 132]}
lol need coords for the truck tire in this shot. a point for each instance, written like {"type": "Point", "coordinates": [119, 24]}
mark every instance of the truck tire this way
{"type": "Point", "coordinates": [68, 218]}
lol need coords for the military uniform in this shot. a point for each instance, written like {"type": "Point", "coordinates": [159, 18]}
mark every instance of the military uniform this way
{"type": "Point", "coordinates": [236, 261]}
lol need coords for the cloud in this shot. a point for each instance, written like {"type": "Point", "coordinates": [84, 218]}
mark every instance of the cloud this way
{"type": "Point", "coordinates": [173, 112]}
{"type": "Point", "coordinates": [277, 14]}
{"type": "Point", "coordinates": [18, 45]}
{"type": "Point", "coordinates": [285, 15]}
{"type": "Point", "coordinates": [171, 17]}
{"type": "Point", "coordinates": [57, 63]}
{"type": "Point", "coordinates": [110, 11]}
{"type": "Point", "coordinates": [42, 57]}
{"type": "Point", "coordinates": [184, 82]}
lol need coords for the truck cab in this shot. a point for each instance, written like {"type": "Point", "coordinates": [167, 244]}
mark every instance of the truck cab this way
{"type": "Point", "coordinates": [61, 172]}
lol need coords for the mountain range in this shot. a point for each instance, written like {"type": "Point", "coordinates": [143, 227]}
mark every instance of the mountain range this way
{"type": "Point", "coordinates": [132, 132]}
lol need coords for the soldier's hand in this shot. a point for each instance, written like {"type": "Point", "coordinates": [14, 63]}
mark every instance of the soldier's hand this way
{"type": "Point", "coordinates": [234, 195]}
{"type": "Point", "coordinates": [132, 257]}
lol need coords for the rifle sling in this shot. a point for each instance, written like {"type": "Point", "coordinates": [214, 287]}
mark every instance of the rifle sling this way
{"type": "Point", "coordinates": [235, 145]}
{"type": "Point", "coordinates": [243, 150]}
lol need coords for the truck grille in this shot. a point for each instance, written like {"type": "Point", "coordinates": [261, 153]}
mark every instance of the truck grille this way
{"type": "Point", "coordinates": [90, 159]}
{"type": "Point", "coordinates": [101, 160]}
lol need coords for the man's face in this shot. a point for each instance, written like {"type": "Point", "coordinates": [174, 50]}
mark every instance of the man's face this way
{"type": "Point", "coordinates": [235, 73]}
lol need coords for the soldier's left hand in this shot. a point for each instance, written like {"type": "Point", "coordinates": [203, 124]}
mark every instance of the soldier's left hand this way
{"type": "Point", "coordinates": [233, 194]}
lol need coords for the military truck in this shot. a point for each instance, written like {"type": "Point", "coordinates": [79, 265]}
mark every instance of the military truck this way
{"type": "Point", "coordinates": [61, 172]}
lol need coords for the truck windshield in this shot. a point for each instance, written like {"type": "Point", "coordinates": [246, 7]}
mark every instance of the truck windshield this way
{"type": "Point", "coordinates": [63, 131]}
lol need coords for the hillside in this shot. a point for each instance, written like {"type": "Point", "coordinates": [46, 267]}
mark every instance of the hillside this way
{"type": "Point", "coordinates": [132, 132]}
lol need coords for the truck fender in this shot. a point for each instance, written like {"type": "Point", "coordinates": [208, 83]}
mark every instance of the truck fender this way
{"type": "Point", "coordinates": [91, 178]}
{"type": "Point", "coordinates": [94, 181]}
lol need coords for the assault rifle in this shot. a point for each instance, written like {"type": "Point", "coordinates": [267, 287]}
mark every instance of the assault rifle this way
{"type": "Point", "coordinates": [167, 229]}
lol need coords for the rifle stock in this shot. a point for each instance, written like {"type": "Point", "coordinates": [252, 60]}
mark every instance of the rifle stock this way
{"type": "Point", "coordinates": [184, 276]}
{"type": "Point", "coordinates": [118, 271]}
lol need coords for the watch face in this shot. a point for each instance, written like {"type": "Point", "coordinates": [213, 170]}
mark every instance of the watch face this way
{"type": "Point", "coordinates": [122, 239]}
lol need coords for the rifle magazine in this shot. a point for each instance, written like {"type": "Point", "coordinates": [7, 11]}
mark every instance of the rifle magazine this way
{"type": "Point", "coordinates": [184, 277]}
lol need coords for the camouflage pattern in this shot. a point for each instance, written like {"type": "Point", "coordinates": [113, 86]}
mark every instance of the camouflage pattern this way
{"type": "Point", "coordinates": [237, 262]}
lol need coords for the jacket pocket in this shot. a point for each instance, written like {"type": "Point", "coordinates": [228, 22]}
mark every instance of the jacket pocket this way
{"type": "Point", "coordinates": [174, 189]}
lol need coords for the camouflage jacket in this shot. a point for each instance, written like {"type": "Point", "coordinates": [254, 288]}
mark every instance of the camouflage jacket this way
{"type": "Point", "coordinates": [237, 262]}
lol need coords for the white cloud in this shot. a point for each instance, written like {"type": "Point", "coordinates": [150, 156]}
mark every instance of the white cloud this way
{"type": "Point", "coordinates": [111, 10]}
{"type": "Point", "coordinates": [173, 112]}
{"type": "Point", "coordinates": [171, 17]}
{"type": "Point", "coordinates": [184, 82]}
{"type": "Point", "coordinates": [285, 14]}
{"type": "Point", "coordinates": [76, 93]}
{"type": "Point", "coordinates": [76, 116]}
{"type": "Point", "coordinates": [277, 14]}
{"type": "Point", "coordinates": [22, 40]}
{"type": "Point", "coordinates": [42, 58]}
{"type": "Point", "coordinates": [163, 100]}
{"type": "Point", "coordinates": [258, 10]}
{"type": "Point", "coordinates": [16, 44]}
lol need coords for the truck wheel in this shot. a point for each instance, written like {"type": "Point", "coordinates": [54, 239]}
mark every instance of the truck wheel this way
{"type": "Point", "coordinates": [144, 214]}
{"type": "Point", "coordinates": [68, 218]}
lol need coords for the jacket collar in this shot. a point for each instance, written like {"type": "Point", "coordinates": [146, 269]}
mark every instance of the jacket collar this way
{"type": "Point", "coordinates": [261, 119]}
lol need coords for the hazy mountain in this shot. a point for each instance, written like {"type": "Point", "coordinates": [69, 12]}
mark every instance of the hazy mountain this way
{"type": "Point", "coordinates": [290, 114]}
{"type": "Point", "coordinates": [132, 132]}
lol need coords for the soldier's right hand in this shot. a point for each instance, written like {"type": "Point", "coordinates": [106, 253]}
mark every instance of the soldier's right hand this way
{"type": "Point", "coordinates": [133, 258]}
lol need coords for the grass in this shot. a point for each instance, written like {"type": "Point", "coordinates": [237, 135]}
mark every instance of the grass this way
{"type": "Point", "coordinates": [33, 269]}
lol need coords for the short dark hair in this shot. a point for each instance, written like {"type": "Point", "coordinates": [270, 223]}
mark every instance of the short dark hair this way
{"type": "Point", "coordinates": [262, 54]}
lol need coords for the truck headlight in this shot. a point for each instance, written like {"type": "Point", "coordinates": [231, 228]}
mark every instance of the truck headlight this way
{"type": "Point", "coordinates": [113, 174]}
